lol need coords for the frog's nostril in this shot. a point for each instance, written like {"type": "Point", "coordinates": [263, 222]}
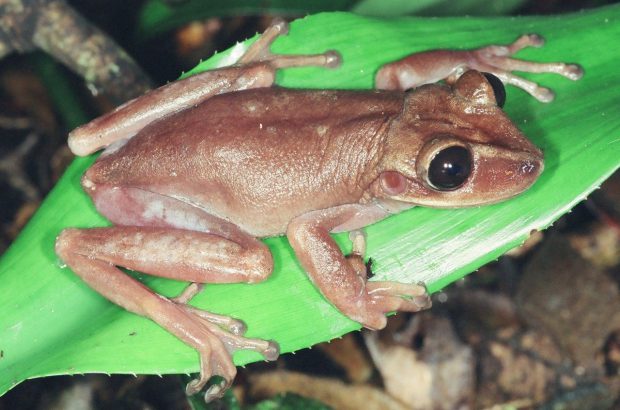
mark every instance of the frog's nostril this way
{"type": "Point", "coordinates": [528, 167]}
{"type": "Point", "coordinates": [531, 167]}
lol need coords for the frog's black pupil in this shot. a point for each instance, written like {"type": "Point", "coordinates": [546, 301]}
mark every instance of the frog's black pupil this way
{"type": "Point", "coordinates": [450, 168]}
{"type": "Point", "coordinates": [498, 88]}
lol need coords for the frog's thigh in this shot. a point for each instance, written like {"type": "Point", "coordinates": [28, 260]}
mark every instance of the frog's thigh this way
{"type": "Point", "coordinates": [92, 254]}
{"type": "Point", "coordinates": [168, 252]}
{"type": "Point", "coordinates": [130, 206]}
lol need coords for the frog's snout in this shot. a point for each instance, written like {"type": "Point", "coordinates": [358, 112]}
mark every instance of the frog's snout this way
{"type": "Point", "coordinates": [526, 170]}
{"type": "Point", "coordinates": [526, 159]}
{"type": "Point", "coordinates": [533, 167]}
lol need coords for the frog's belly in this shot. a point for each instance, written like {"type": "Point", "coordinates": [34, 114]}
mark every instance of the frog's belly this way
{"type": "Point", "coordinates": [170, 206]}
{"type": "Point", "coordinates": [258, 215]}
{"type": "Point", "coordinates": [130, 206]}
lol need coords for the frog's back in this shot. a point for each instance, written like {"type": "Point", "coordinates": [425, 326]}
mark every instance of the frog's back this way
{"type": "Point", "coordinates": [263, 155]}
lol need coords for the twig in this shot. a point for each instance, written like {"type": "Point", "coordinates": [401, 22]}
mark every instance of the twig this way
{"type": "Point", "coordinates": [53, 26]}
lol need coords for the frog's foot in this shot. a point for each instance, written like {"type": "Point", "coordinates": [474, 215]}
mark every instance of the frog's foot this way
{"type": "Point", "coordinates": [383, 295]}
{"type": "Point", "coordinates": [216, 358]}
{"type": "Point", "coordinates": [259, 51]}
{"type": "Point", "coordinates": [226, 328]}
{"type": "Point", "coordinates": [496, 59]}
{"type": "Point", "coordinates": [379, 298]}
{"type": "Point", "coordinates": [188, 293]}
{"type": "Point", "coordinates": [395, 296]}
{"type": "Point", "coordinates": [214, 361]}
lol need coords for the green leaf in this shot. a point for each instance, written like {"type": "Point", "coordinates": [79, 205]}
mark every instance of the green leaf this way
{"type": "Point", "coordinates": [156, 16]}
{"type": "Point", "coordinates": [51, 323]}
{"type": "Point", "coordinates": [394, 8]}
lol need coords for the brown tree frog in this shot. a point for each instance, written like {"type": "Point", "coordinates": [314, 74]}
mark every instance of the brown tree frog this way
{"type": "Point", "coordinates": [195, 171]}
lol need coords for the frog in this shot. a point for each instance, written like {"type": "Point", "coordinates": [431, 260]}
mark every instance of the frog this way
{"type": "Point", "coordinates": [195, 173]}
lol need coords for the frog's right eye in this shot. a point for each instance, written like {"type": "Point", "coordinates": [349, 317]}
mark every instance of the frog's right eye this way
{"type": "Point", "coordinates": [449, 168]}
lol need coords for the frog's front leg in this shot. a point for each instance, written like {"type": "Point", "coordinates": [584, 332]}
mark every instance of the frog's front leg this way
{"type": "Point", "coordinates": [432, 66]}
{"type": "Point", "coordinates": [94, 255]}
{"type": "Point", "coordinates": [342, 280]}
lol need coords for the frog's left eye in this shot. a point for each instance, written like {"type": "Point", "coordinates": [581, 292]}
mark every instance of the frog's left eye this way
{"type": "Point", "coordinates": [450, 168]}
{"type": "Point", "coordinates": [498, 89]}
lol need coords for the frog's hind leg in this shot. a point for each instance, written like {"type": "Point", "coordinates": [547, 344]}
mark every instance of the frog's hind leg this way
{"type": "Point", "coordinates": [158, 239]}
{"type": "Point", "coordinates": [431, 66]}
{"type": "Point", "coordinates": [94, 255]}
{"type": "Point", "coordinates": [499, 56]}
{"type": "Point", "coordinates": [497, 60]}
{"type": "Point", "coordinates": [130, 206]}
{"type": "Point", "coordinates": [127, 120]}
{"type": "Point", "coordinates": [255, 69]}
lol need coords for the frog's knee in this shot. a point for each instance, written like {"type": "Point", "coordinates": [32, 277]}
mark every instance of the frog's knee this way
{"type": "Point", "coordinates": [65, 242]}
{"type": "Point", "coordinates": [260, 266]}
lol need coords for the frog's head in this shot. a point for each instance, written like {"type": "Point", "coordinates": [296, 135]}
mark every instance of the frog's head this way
{"type": "Point", "coordinates": [454, 146]}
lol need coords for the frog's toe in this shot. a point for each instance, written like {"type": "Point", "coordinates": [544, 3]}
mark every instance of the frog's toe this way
{"type": "Point", "coordinates": [232, 325]}
{"type": "Point", "coordinates": [373, 318]}
{"type": "Point", "coordinates": [394, 296]}
{"type": "Point", "coordinates": [543, 94]}
{"type": "Point", "coordinates": [272, 351]}
{"type": "Point", "coordinates": [410, 290]}
{"type": "Point", "coordinates": [195, 385]}
{"type": "Point", "coordinates": [573, 71]}
{"type": "Point", "coordinates": [214, 361]}
{"type": "Point", "coordinates": [333, 59]}
{"type": "Point", "coordinates": [423, 302]}
{"type": "Point", "coordinates": [230, 332]}
{"type": "Point", "coordinates": [533, 40]}
{"type": "Point", "coordinates": [237, 327]}
{"type": "Point", "coordinates": [217, 390]}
